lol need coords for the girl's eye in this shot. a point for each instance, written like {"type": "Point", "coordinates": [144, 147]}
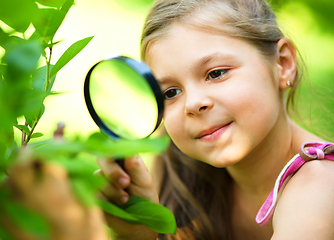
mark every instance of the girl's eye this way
{"type": "Point", "coordinates": [170, 93]}
{"type": "Point", "coordinates": [216, 74]}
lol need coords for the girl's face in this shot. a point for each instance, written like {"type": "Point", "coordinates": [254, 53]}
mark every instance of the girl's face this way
{"type": "Point", "coordinates": [221, 99]}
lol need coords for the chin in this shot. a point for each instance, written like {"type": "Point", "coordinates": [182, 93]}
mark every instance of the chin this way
{"type": "Point", "coordinates": [225, 159]}
{"type": "Point", "coordinates": [223, 163]}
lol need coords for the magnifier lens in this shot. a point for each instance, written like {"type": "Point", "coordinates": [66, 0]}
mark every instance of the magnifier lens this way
{"type": "Point", "coordinates": [123, 99]}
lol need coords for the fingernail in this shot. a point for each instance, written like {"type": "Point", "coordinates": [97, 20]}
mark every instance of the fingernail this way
{"type": "Point", "coordinates": [124, 199]}
{"type": "Point", "coordinates": [123, 181]}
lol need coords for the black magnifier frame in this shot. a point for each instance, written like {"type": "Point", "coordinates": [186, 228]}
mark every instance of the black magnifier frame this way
{"type": "Point", "coordinates": [141, 69]}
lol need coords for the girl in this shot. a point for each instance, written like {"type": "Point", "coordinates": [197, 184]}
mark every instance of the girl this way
{"type": "Point", "coordinates": [224, 67]}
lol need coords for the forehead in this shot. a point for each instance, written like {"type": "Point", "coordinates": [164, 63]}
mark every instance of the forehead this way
{"type": "Point", "coordinates": [186, 45]}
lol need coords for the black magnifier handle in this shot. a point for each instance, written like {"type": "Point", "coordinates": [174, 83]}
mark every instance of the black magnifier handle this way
{"type": "Point", "coordinates": [120, 162]}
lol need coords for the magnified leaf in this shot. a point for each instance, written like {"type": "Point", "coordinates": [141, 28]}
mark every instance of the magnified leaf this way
{"type": "Point", "coordinates": [70, 53]}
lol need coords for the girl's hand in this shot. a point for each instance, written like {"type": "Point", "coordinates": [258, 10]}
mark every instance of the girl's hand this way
{"type": "Point", "coordinates": [45, 189]}
{"type": "Point", "coordinates": [133, 180]}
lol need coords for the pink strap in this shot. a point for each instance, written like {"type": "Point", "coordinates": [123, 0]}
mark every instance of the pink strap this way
{"type": "Point", "coordinates": [308, 151]}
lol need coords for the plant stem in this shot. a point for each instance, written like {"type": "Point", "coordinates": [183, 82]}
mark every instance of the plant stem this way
{"type": "Point", "coordinates": [24, 135]}
{"type": "Point", "coordinates": [32, 131]}
{"type": "Point", "coordinates": [48, 64]}
{"type": "Point", "coordinates": [26, 139]}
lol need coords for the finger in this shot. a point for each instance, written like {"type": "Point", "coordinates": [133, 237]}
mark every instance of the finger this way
{"type": "Point", "coordinates": [138, 171]}
{"type": "Point", "coordinates": [141, 181]}
{"type": "Point", "coordinates": [114, 173]}
{"type": "Point", "coordinates": [115, 194]}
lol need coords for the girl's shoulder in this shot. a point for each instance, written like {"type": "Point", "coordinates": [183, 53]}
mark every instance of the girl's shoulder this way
{"type": "Point", "coordinates": [305, 209]}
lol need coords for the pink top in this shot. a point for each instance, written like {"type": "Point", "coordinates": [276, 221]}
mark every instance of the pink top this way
{"type": "Point", "coordinates": [308, 151]}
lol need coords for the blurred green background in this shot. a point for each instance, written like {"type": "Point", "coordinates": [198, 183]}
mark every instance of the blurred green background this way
{"type": "Point", "coordinates": [117, 24]}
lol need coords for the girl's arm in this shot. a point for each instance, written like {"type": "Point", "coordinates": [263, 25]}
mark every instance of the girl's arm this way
{"type": "Point", "coordinates": [305, 209]}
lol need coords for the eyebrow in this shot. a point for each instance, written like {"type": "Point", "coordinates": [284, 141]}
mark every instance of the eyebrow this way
{"type": "Point", "coordinates": [164, 80]}
{"type": "Point", "coordinates": [201, 62]}
{"type": "Point", "coordinates": [204, 60]}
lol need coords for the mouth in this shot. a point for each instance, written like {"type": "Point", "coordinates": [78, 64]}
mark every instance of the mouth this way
{"type": "Point", "coordinates": [212, 133]}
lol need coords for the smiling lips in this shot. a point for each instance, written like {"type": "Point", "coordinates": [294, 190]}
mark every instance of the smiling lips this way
{"type": "Point", "coordinates": [212, 133]}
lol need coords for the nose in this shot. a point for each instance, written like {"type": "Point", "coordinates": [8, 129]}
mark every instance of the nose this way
{"type": "Point", "coordinates": [197, 101]}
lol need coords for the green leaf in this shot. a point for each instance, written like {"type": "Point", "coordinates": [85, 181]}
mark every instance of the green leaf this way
{"type": "Point", "coordinates": [70, 53]}
{"type": "Point", "coordinates": [38, 144]}
{"type": "Point", "coordinates": [23, 128]}
{"type": "Point", "coordinates": [38, 80]}
{"type": "Point", "coordinates": [18, 13]}
{"type": "Point", "coordinates": [48, 23]}
{"type": "Point", "coordinates": [3, 38]}
{"type": "Point", "coordinates": [83, 167]}
{"type": "Point", "coordinates": [37, 135]}
{"type": "Point", "coordinates": [22, 59]}
{"type": "Point", "coordinates": [34, 114]}
{"type": "Point", "coordinates": [116, 211]}
{"type": "Point", "coordinates": [11, 153]}
{"type": "Point", "coordinates": [154, 216]}
{"type": "Point", "coordinates": [133, 200]}
{"type": "Point", "coordinates": [83, 191]}
{"type": "Point", "coordinates": [126, 148]}
{"type": "Point", "coordinates": [7, 135]}
{"type": "Point", "coordinates": [51, 3]}
{"type": "Point", "coordinates": [79, 167]}
{"type": "Point", "coordinates": [107, 147]}
{"type": "Point", "coordinates": [50, 20]}
{"type": "Point", "coordinates": [53, 149]}
{"type": "Point", "coordinates": [5, 235]}
{"type": "Point", "coordinates": [31, 221]}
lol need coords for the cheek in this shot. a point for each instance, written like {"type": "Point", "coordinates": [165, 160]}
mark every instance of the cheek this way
{"type": "Point", "coordinates": [256, 107]}
{"type": "Point", "coordinates": [173, 124]}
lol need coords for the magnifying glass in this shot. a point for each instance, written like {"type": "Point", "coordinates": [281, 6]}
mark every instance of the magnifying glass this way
{"type": "Point", "coordinates": [123, 98]}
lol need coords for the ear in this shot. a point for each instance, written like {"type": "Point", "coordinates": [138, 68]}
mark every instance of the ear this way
{"type": "Point", "coordinates": [286, 62]}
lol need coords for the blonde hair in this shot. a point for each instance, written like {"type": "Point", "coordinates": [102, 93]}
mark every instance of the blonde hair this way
{"type": "Point", "coordinates": [198, 194]}
{"type": "Point", "coordinates": [252, 20]}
